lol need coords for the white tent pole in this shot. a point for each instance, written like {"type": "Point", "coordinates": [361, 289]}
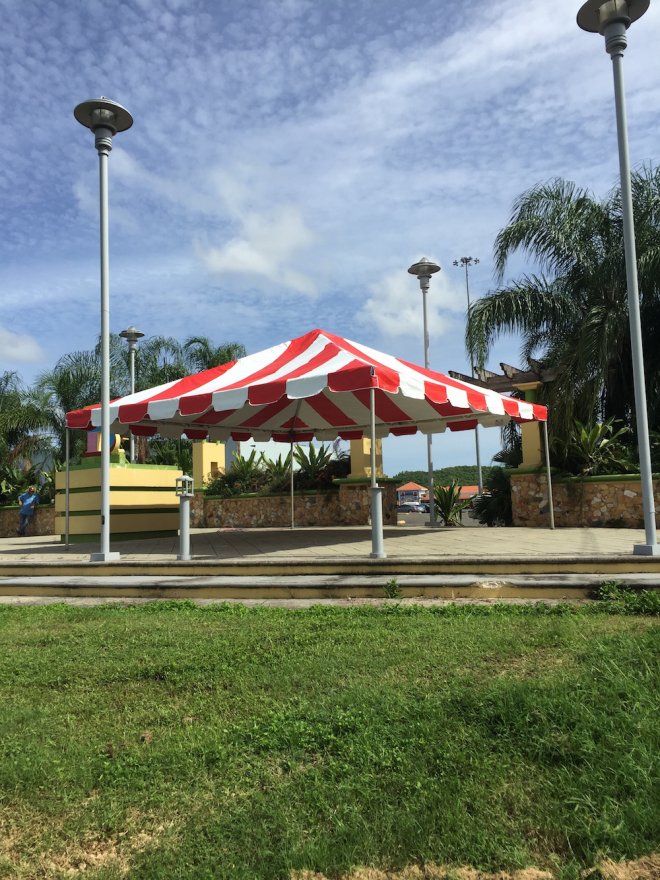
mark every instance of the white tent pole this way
{"type": "Point", "coordinates": [66, 489]}
{"type": "Point", "coordinates": [292, 508]}
{"type": "Point", "coordinates": [551, 509]}
{"type": "Point", "coordinates": [377, 548]}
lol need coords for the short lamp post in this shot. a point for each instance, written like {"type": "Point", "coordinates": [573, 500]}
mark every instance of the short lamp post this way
{"type": "Point", "coordinates": [466, 262]}
{"type": "Point", "coordinates": [131, 335]}
{"type": "Point", "coordinates": [612, 19]}
{"type": "Point", "coordinates": [105, 118]}
{"type": "Point", "coordinates": [423, 270]}
{"type": "Point", "coordinates": [184, 491]}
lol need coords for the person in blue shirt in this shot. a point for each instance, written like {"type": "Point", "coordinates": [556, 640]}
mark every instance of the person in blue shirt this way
{"type": "Point", "coordinates": [28, 504]}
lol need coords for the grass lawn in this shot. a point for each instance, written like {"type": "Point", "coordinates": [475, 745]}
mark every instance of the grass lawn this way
{"type": "Point", "coordinates": [172, 741]}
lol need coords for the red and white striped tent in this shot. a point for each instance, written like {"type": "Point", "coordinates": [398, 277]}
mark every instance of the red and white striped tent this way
{"type": "Point", "coordinates": [318, 386]}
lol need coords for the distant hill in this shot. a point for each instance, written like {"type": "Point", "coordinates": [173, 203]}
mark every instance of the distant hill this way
{"type": "Point", "coordinates": [464, 474]}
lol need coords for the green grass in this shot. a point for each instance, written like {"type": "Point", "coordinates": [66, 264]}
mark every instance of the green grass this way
{"type": "Point", "coordinates": [172, 741]}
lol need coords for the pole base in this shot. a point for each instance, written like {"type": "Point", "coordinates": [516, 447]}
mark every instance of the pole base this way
{"type": "Point", "coordinates": [382, 555]}
{"type": "Point", "coordinates": [184, 558]}
{"type": "Point", "coordinates": [646, 550]}
{"type": "Point", "coordinates": [105, 557]}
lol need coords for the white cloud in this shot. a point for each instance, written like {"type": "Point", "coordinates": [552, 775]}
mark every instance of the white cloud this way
{"type": "Point", "coordinates": [267, 246]}
{"type": "Point", "coordinates": [395, 308]}
{"type": "Point", "coordinates": [18, 348]}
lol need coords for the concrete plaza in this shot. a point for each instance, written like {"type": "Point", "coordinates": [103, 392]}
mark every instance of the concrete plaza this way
{"type": "Point", "coordinates": [335, 562]}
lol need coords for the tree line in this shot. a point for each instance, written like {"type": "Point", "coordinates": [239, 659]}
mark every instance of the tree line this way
{"type": "Point", "coordinates": [33, 418]}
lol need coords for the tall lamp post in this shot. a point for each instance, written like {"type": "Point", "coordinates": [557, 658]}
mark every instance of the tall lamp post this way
{"type": "Point", "coordinates": [466, 262]}
{"type": "Point", "coordinates": [105, 118]}
{"type": "Point", "coordinates": [612, 19]}
{"type": "Point", "coordinates": [131, 335]}
{"type": "Point", "coordinates": [423, 270]}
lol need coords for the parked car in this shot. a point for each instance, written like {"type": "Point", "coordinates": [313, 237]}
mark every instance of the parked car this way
{"type": "Point", "coordinates": [410, 507]}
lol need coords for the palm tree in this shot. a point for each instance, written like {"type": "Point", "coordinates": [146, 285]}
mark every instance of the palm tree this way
{"type": "Point", "coordinates": [201, 354]}
{"type": "Point", "coordinates": [23, 435]}
{"type": "Point", "coordinates": [573, 313]}
{"type": "Point", "coordinates": [74, 382]}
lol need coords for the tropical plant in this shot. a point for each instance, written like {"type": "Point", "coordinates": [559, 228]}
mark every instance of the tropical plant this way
{"type": "Point", "coordinates": [24, 427]}
{"type": "Point", "coordinates": [244, 476]}
{"type": "Point", "coordinates": [201, 354]}
{"type": "Point", "coordinates": [313, 465]}
{"type": "Point", "coordinates": [74, 382]}
{"type": "Point", "coordinates": [573, 316]}
{"type": "Point", "coordinates": [596, 449]}
{"type": "Point", "coordinates": [277, 471]}
{"type": "Point", "coordinates": [493, 506]}
{"type": "Point", "coordinates": [448, 504]}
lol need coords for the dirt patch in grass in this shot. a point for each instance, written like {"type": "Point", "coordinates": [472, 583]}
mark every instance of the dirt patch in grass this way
{"type": "Point", "coordinates": [91, 853]}
{"type": "Point", "coordinates": [644, 868]}
{"type": "Point", "coordinates": [430, 872]}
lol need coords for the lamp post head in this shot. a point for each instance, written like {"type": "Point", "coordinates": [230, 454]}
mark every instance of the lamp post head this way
{"type": "Point", "coordinates": [105, 118]}
{"type": "Point", "coordinates": [424, 268]}
{"type": "Point", "coordinates": [595, 15]}
{"type": "Point", "coordinates": [132, 335]}
{"type": "Point", "coordinates": [466, 261]}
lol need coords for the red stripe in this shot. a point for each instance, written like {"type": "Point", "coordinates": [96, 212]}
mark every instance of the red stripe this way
{"type": "Point", "coordinates": [294, 348]}
{"type": "Point", "coordinates": [466, 425]}
{"type": "Point", "coordinates": [448, 409]}
{"type": "Point", "coordinates": [195, 404]}
{"type": "Point", "coordinates": [80, 418]}
{"type": "Point", "coordinates": [133, 412]}
{"type": "Point", "coordinates": [389, 379]}
{"type": "Point", "coordinates": [352, 377]}
{"type": "Point", "coordinates": [435, 393]}
{"type": "Point", "coordinates": [267, 413]}
{"type": "Point", "coordinates": [386, 410]}
{"type": "Point", "coordinates": [351, 435]}
{"type": "Point", "coordinates": [268, 392]}
{"type": "Point", "coordinates": [294, 423]}
{"type": "Point", "coordinates": [196, 434]}
{"type": "Point", "coordinates": [213, 418]}
{"type": "Point", "coordinates": [143, 430]}
{"type": "Point", "coordinates": [296, 438]}
{"type": "Point", "coordinates": [329, 411]}
{"type": "Point", "coordinates": [403, 431]}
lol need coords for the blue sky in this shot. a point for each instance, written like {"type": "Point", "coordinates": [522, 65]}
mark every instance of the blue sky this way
{"type": "Point", "coordinates": [288, 161]}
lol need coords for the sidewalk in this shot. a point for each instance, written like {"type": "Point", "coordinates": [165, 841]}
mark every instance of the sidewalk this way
{"type": "Point", "coordinates": [335, 563]}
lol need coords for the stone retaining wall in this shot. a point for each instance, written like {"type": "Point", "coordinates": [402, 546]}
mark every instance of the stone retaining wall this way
{"type": "Point", "coordinates": [42, 523]}
{"type": "Point", "coordinates": [610, 502]}
{"type": "Point", "coordinates": [351, 506]}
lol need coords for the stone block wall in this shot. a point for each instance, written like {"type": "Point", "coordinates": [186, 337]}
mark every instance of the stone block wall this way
{"type": "Point", "coordinates": [351, 506]}
{"type": "Point", "coordinates": [607, 502]}
{"type": "Point", "coordinates": [43, 521]}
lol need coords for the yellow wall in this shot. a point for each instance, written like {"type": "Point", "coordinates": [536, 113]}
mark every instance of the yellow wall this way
{"type": "Point", "coordinates": [208, 461]}
{"type": "Point", "coordinates": [142, 501]}
{"type": "Point", "coordinates": [361, 458]}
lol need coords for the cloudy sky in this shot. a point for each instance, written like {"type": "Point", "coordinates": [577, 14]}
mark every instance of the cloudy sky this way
{"type": "Point", "coordinates": [288, 161]}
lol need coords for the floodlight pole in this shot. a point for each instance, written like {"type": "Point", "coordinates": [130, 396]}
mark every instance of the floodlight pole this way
{"type": "Point", "coordinates": [131, 335]}
{"type": "Point", "coordinates": [465, 262]}
{"type": "Point", "coordinates": [423, 270]}
{"type": "Point", "coordinates": [612, 19]}
{"type": "Point", "coordinates": [105, 118]}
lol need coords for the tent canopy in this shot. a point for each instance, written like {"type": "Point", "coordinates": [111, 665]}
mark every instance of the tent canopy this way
{"type": "Point", "coordinates": [316, 386]}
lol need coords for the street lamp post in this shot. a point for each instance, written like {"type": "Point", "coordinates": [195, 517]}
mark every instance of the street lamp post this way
{"type": "Point", "coordinates": [423, 270]}
{"type": "Point", "coordinates": [131, 335]}
{"type": "Point", "coordinates": [466, 262]}
{"type": "Point", "coordinates": [105, 118]}
{"type": "Point", "coordinates": [612, 19]}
